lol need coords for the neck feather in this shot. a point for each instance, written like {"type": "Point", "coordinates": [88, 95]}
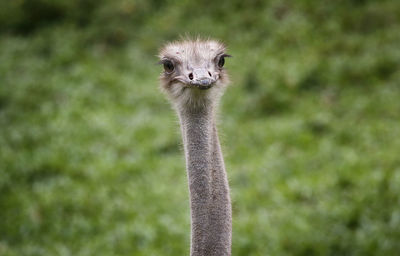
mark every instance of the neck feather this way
{"type": "Point", "coordinates": [211, 219]}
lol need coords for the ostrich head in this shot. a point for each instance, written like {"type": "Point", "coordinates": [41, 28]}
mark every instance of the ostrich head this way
{"type": "Point", "coordinates": [194, 73]}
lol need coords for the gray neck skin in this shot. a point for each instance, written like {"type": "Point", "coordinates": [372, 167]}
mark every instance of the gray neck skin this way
{"type": "Point", "coordinates": [211, 216]}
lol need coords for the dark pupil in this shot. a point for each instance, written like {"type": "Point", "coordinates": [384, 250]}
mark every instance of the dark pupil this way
{"type": "Point", "coordinates": [168, 66]}
{"type": "Point", "coordinates": [221, 62]}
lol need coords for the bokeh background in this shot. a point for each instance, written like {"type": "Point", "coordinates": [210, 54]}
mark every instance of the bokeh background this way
{"type": "Point", "coordinates": [91, 160]}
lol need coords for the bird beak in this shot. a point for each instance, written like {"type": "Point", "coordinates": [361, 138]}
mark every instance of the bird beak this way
{"type": "Point", "coordinates": [202, 79]}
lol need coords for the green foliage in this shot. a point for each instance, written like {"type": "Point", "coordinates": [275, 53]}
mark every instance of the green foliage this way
{"type": "Point", "coordinates": [90, 156]}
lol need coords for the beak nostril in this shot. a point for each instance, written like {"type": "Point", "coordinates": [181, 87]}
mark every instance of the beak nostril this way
{"type": "Point", "coordinates": [191, 76]}
{"type": "Point", "coordinates": [209, 73]}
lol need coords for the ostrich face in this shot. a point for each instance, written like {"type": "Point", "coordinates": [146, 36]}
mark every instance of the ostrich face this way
{"type": "Point", "coordinates": [193, 70]}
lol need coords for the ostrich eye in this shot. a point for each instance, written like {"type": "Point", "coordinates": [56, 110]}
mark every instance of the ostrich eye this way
{"type": "Point", "coordinates": [221, 61]}
{"type": "Point", "coordinates": [168, 66]}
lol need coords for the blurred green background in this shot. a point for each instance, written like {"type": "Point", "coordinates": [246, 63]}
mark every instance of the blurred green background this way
{"type": "Point", "coordinates": [91, 160]}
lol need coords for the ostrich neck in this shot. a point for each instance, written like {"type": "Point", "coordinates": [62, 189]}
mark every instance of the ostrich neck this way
{"type": "Point", "coordinates": [211, 220]}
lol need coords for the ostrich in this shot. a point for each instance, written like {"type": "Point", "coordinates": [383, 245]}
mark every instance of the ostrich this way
{"type": "Point", "coordinates": [194, 80]}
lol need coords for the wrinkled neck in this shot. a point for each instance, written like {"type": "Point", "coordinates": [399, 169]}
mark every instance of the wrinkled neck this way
{"type": "Point", "coordinates": [208, 185]}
